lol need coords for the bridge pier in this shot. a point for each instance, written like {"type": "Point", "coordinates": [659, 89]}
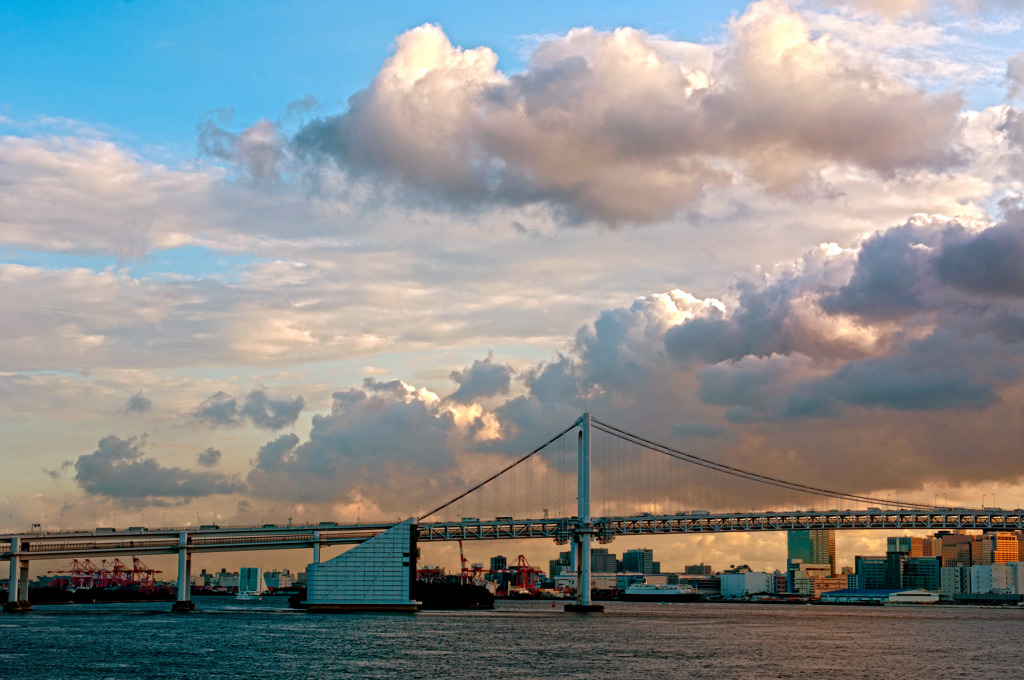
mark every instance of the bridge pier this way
{"type": "Point", "coordinates": [17, 586]}
{"type": "Point", "coordinates": [316, 547]}
{"type": "Point", "coordinates": [184, 603]}
{"type": "Point", "coordinates": [584, 532]}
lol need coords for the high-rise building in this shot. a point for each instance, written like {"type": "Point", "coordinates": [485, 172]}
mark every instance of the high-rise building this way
{"type": "Point", "coordinates": [999, 547]}
{"type": "Point", "coordinates": [640, 560]}
{"type": "Point", "coordinates": [870, 571]}
{"type": "Point", "coordinates": [956, 549]}
{"type": "Point", "coordinates": [562, 565]}
{"type": "Point", "coordinates": [697, 569]}
{"type": "Point", "coordinates": [499, 562]}
{"type": "Point", "coordinates": [910, 546]}
{"type": "Point", "coordinates": [813, 546]}
{"type": "Point", "coordinates": [922, 573]}
{"type": "Point", "coordinates": [602, 561]}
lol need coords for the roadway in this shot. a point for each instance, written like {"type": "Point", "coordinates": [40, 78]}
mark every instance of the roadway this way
{"type": "Point", "coordinates": [207, 539]}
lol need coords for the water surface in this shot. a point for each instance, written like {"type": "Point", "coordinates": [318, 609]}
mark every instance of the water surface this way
{"type": "Point", "coordinates": [266, 640]}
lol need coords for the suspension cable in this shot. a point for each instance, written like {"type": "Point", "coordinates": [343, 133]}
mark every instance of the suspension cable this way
{"type": "Point", "coordinates": [501, 472]}
{"type": "Point", "coordinates": [738, 472]}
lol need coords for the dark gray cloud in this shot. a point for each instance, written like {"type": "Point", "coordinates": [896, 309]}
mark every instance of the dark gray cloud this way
{"type": "Point", "coordinates": [887, 281]}
{"type": "Point", "coordinates": [138, 403]}
{"type": "Point", "coordinates": [385, 441]}
{"type": "Point", "coordinates": [258, 408]}
{"type": "Point", "coordinates": [990, 263]}
{"type": "Point", "coordinates": [208, 457]}
{"type": "Point", "coordinates": [482, 379]}
{"type": "Point", "coordinates": [118, 469]}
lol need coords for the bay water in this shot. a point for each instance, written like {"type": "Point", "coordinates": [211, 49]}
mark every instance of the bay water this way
{"type": "Point", "coordinates": [518, 639]}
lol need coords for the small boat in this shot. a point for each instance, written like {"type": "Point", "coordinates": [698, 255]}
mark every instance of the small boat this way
{"type": "Point", "coordinates": [251, 585]}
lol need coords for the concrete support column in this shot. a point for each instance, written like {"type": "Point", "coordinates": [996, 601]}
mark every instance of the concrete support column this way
{"type": "Point", "coordinates": [22, 583]}
{"type": "Point", "coordinates": [585, 529]}
{"type": "Point", "coordinates": [583, 510]}
{"type": "Point", "coordinates": [316, 547]}
{"type": "Point", "coordinates": [12, 584]}
{"type": "Point", "coordinates": [17, 586]}
{"type": "Point", "coordinates": [184, 603]}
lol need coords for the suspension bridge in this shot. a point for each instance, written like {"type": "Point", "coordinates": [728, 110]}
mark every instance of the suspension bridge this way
{"type": "Point", "coordinates": [638, 487]}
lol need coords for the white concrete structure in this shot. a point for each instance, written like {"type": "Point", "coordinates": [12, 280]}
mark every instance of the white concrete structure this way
{"type": "Point", "coordinates": [914, 597]}
{"type": "Point", "coordinates": [1016, 577]}
{"type": "Point", "coordinates": [955, 580]}
{"type": "Point", "coordinates": [748, 583]}
{"type": "Point", "coordinates": [377, 575]}
{"type": "Point", "coordinates": [991, 578]}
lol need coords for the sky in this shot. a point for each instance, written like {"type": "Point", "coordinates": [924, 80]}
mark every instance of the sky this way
{"type": "Point", "coordinates": [316, 260]}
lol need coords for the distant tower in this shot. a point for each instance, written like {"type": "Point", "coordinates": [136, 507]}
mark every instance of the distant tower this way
{"type": "Point", "coordinates": [813, 546]}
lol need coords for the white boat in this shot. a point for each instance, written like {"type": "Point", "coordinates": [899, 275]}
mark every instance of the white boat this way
{"type": "Point", "coordinates": [660, 592]}
{"type": "Point", "coordinates": [251, 585]}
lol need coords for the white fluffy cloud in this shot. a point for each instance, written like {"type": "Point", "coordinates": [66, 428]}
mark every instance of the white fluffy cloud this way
{"type": "Point", "coordinates": [626, 127]}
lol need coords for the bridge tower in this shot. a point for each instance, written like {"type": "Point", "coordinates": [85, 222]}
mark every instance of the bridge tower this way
{"type": "Point", "coordinates": [584, 532]}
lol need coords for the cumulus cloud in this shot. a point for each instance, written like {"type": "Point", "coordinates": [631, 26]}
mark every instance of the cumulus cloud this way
{"type": "Point", "coordinates": [629, 127]}
{"type": "Point", "coordinates": [387, 441]}
{"type": "Point", "coordinates": [138, 403]}
{"type": "Point", "coordinates": [118, 469]}
{"type": "Point", "coordinates": [208, 457]}
{"type": "Point", "coordinates": [916, 332]}
{"type": "Point", "coordinates": [482, 379]}
{"type": "Point", "coordinates": [257, 408]}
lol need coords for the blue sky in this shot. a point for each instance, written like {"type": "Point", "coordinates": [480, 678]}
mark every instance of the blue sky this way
{"type": "Point", "coordinates": [149, 70]}
{"type": "Point", "coordinates": [792, 224]}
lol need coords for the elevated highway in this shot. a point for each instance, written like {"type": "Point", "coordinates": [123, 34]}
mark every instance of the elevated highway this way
{"type": "Point", "coordinates": [71, 544]}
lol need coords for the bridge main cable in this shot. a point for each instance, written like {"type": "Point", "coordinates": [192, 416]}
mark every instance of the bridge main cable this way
{"type": "Point", "coordinates": [501, 472]}
{"type": "Point", "coordinates": [744, 474]}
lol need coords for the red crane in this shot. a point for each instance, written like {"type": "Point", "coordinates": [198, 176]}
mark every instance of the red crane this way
{"type": "Point", "coordinates": [107, 574]}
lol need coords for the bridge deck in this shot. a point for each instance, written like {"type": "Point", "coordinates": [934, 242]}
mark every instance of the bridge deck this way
{"type": "Point", "coordinates": [65, 545]}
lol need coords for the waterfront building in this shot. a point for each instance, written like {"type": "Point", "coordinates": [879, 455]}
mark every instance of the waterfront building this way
{"type": "Point", "coordinates": [922, 573]}
{"type": "Point", "coordinates": [914, 597]}
{"type": "Point", "coordinates": [857, 596]}
{"type": "Point", "coordinates": [739, 584]}
{"type": "Point", "coordinates": [601, 561]}
{"type": "Point", "coordinates": [708, 586]}
{"type": "Point", "coordinates": [640, 560]}
{"type": "Point", "coordinates": [279, 578]}
{"type": "Point", "coordinates": [697, 569]}
{"type": "Point", "coordinates": [813, 579]}
{"type": "Point", "coordinates": [812, 546]}
{"type": "Point", "coordinates": [225, 579]}
{"type": "Point", "coordinates": [991, 578]}
{"type": "Point", "coordinates": [955, 580]}
{"type": "Point", "coordinates": [1016, 577]}
{"type": "Point", "coordinates": [376, 575]}
{"type": "Point", "coordinates": [870, 571]}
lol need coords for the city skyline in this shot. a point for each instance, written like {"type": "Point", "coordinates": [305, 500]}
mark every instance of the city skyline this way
{"type": "Point", "coordinates": [328, 262]}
